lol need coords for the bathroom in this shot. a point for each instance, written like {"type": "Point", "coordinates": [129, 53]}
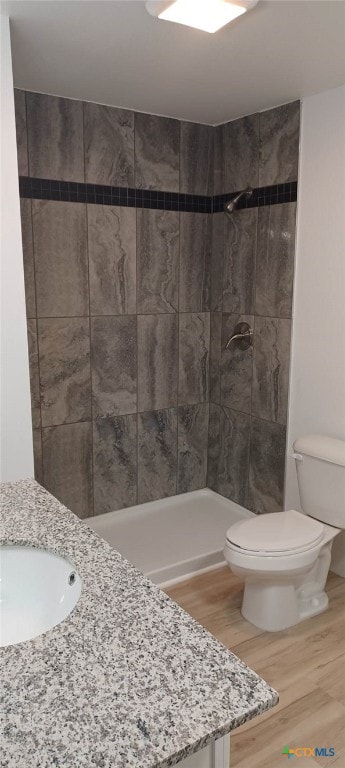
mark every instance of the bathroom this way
{"type": "Point", "coordinates": [172, 351]}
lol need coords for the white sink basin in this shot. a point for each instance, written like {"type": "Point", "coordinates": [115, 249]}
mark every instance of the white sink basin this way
{"type": "Point", "coordinates": [38, 590]}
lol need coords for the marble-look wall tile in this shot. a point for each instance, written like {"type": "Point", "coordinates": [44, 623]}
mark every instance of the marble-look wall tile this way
{"type": "Point", "coordinates": [67, 465]}
{"type": "Point", "coordinates": [195, 262]}
{"type": "Point", "coordinates": [34, 373]}
{"type": "Point", "coordinates": [192, 447]}
{"type": "Point", "coordinates": [65, 378]}
{"type": "Point", "coordinates": [109, 145]}
{"type": "Point", "coordinates": [114, 365]}
{"type": "Point", "coordinates": [215, 355]}
{"type": "Point", "coordinates": [266, 472]}
{"type": "Point", "coordinates": [196, 159]}
{"type": "Point", "coordinates": [21, 132]}
{"type": "Point", "coordinates": [28, 257]}
{"type": "Point", "coordinates": [241, 153]}
{"type": "Point", "coordinates": [279, 144]}
{"type": "Point", "coordinates": [236, 367]}
{"type": "Point", "coordinates": [233, 464]}
{"type": "Point", "coordinates": [37, 448]}
{"type": "Point", "coordinates": [275, 260]}
{"type": "Point", "coordinates": [218, 162]}
{"type": "Point", "coordinates": [271, 368]}
{"type": "Point", "coordinates": [157, 152]}
{"type": "Point", "coordinates": [60, 251]}
{"type": "Point", "coordinates": [215, 271]}
{"type": "Point", "coordinates": [217, 262]}
{"type": "Point", "coordinates": [239, 261]}
{"type": "Point", "coordinates": [157, 361]}
{"type": "Point", "coordinates": [157, 261]}
{"type": "Point", "coordinates": [213, 447]}
{"type": "Point", "coordinates": [55, 137]}
{"type": "Point", "coordinates": [112, 259]}
{"type": "Point", "coordinates": [194, 349]}
{"type": "Point", "coordinates": [157, 454]}
{"type": "Point", "coordinates": [115, 463]}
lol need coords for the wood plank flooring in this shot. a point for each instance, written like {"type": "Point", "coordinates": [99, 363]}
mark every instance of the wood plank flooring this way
{"type": "Point", "coordinates": [306, 664]}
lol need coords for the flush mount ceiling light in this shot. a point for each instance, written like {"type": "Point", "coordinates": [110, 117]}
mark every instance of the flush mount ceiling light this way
{"type": "Point", "coordinates": [207, 15]}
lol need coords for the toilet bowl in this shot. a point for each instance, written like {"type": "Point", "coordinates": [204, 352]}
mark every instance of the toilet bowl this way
{"type": "Point", "coordinates": [284, 557]}
{"type": "Point", "coordinates": [284, 560]}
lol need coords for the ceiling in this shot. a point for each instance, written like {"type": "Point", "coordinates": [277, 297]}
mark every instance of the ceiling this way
{"type": "Point", "coordinates": [114, 52]}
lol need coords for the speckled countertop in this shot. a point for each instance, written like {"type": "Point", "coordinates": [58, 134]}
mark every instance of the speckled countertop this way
{"type": "Point", "coordinates": [128, 679]}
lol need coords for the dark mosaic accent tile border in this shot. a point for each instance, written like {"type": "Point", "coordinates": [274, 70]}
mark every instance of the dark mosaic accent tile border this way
{"type": "Point", "coordinates": [98, 194]}
{"type": "Point", "coordinates": [72, 192]}
{"type": "Point", "coordinates": [271, 195]}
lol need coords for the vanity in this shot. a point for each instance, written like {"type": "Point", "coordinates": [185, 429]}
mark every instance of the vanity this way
{"type": "Point", "coordinates": [127, 678]}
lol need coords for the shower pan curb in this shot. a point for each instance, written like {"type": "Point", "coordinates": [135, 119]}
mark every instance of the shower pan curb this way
{"type": "Point", "coordinates": [174, 538]}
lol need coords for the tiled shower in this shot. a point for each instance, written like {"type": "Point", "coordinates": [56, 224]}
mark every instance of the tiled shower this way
{"type": "Point", "coordinates": [135, 280]}
{"type": "Point", "coordinates": [253, 268]}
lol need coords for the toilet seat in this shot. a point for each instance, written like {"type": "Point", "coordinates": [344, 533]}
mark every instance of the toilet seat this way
{"type": "Point", "coordinates": [275, 535]}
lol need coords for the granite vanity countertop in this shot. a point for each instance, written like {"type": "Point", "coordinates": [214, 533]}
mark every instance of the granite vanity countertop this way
{"type": "Point", "coordinates": [129, 678]}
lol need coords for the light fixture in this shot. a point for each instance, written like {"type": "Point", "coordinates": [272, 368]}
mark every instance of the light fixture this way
{"type": "Point", "coordinates": [207, 15]}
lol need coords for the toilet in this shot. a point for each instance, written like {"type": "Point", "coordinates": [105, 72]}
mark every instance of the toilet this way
{"type": "Point", "coordinates": [284, 557]}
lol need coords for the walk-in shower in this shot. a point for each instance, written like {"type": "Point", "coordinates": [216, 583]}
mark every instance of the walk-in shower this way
{"type": "Point", "coordinates": [231, 205]}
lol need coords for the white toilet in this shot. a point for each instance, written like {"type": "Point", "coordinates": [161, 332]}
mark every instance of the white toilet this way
{"type": "Point", "coordinates": [284, 557]}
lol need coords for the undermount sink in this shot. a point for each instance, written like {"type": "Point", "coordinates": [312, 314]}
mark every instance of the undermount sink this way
{"type": "Point", "coordinates": [38, 590]}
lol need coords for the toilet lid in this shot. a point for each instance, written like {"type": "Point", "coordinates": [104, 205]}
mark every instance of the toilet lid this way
{"type": "Point", "coordinates": [276, 532]}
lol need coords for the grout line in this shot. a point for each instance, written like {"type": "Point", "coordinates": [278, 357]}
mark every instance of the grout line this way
{"type": "Point", "coordinates": [179, 157]}
{"type": "Point", "coordinates": [256, 263]}
{"type": "Point", "coordinates": [39, 379]}
{"type": "Point", "coordinates": [253, 356]}
{"type": "Point", "coordinates": [253, 314]}
{"type": "Point", "coordinates": [37, 336]}
{"type": "Point", "coordinates": [136, 306]}
{"type": "Point", "coordinates": [250, 453]}
{"type": "Point", "coordinates": [223, 156]}
{"type": "Point", "coordinates": [27, 132]}
{"type": "Point", "coordinates": [289, 392]}
{"type": "Point", "coordinates": [134, 155]}
{"type": "Point", "coordinates": [145, 314]}
{"type": "Point", "coordinates": [89, 317]}
{"type": "Point", "coordinates": [251, 416]}
{"type": "Point", "coordinates": [178, 343]}
{"type": "Point", "coordinates": [137, 456]}
{"type": "Point", "coordinates": [123, 415]}
{"type": "Point", "coordinates": [137, 354]}
{"type": "Point", "coordinates": [67, 424]}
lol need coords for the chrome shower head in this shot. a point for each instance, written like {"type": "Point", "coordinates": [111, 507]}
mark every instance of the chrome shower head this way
{"type": "Point", "coordinates": [231, 205]}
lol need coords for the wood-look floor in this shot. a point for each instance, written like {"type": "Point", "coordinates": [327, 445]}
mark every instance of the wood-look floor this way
{"type": "Point", "coordinates": [306, 665]}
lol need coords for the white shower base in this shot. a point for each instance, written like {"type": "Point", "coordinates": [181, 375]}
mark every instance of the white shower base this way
{"type": "Point", "coordinates": [172, 538]}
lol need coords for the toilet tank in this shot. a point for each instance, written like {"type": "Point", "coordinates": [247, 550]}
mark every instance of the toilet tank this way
{"type": "Point", "coordinates": [320, 465]}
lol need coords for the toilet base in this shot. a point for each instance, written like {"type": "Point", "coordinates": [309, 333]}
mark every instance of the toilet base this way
{"type": "Point", "coordinates": [313, 606]}
{"type": "Point", "coordinates": [282, 591]}
{"type": "Point", "coordinates": [277, 607]}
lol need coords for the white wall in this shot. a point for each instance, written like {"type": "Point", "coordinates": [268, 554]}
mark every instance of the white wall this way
{"type": "Point", "coordinates": [16, 459]}
{"type": "Point", "coordinates": [317, 383]}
